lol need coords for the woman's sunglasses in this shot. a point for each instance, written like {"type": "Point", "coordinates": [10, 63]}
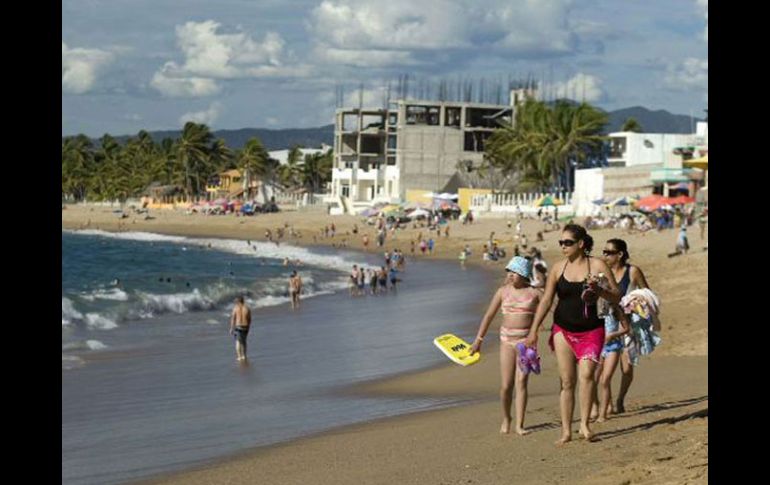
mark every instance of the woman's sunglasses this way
{"type": "Point", "coordinates": [608, 252]}
{"type": "Point", "coordinates": [566, 242]}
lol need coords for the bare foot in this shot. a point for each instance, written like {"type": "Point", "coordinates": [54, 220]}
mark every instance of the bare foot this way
{"type": "Point", "coordinates": [565, 438]}
{"type": "Point", "coordinates": [619, 408]}
{"type": "Point", "coordinates": [601, 419]}
{"type": "Point", "coordinates": [505, 428]}
{"type": "Point", "coordinates": [522, 431]}
{"type": "Point", "coordinates": [586, 433]}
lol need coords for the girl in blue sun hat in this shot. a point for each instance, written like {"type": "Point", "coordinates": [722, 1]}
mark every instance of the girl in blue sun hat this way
{"type": "Point", "coordinates": [517, 301]}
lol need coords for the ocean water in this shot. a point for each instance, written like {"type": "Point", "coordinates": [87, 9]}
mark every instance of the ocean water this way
{"type": "Point", "coordinates": [149, 378]}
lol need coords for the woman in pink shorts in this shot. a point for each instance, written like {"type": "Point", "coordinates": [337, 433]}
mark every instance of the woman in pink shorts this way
{"type": "Point", "coordinates": [577, 335]}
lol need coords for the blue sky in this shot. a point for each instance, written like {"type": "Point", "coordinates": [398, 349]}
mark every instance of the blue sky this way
{"type": "Point", "coordinates": [154, 64]}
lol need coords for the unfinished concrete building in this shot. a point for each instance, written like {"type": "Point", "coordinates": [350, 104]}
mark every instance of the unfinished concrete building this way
{"type": "Point", "coordinates": [379, 154]}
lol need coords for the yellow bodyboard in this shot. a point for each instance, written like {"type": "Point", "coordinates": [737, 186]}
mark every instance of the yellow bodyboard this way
{"type": "Point", "coordinates": [457, 349]}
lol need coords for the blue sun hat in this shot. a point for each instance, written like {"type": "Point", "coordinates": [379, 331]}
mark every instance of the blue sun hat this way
{"type": "Point", "coordinates": [520, 266]}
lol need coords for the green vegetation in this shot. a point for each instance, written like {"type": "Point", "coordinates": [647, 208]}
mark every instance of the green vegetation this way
{"type": "Point", "coordinates": [111, 171]}
{"type": "Point", "coordinates": [546, 141]}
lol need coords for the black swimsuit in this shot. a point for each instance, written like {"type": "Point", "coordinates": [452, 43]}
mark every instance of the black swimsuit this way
{"type": "Point", "coordinates": [569, 313]}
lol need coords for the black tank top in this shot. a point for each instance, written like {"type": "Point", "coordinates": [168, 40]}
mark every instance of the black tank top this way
{"type": "Point", "coordinates": [569, 311]}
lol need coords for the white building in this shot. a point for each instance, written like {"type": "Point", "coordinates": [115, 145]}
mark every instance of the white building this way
{"type": "Point", "coordinates": [641, 164]}
{"type": "Point", "coordinates": [282, 156]}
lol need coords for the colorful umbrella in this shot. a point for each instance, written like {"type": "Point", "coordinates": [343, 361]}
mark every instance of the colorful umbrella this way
{"type": "Point", "coordinates": [652, 202]}
{"type": "Point", "coordinates": [419, 213]}
{"type": "Point", "coordinates": [621, 201]}
{"type": "Point", "coordinates": [682, 199]}
{"type": "Point", "coordinates": [547, 200]}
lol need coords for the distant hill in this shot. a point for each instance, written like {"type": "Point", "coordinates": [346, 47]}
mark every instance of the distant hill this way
{"type": "Point", "coordinates": [660, 121]}
{"type": "Point", "coordinates": [271, 139]}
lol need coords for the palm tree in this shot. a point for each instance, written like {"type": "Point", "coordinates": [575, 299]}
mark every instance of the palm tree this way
{"type": "Point", "coordinates": [317, 170]}
{"type": "Point", "coordinates": [105, 179]}
{"type": "Point", "coordinates": [221, 156]}
{"type": "Point", "coordinates": [192, 149]}
{"type": "Point", "coordinates": [289, 173]}
{"type": "Point", "coordinates": [574, 133]}
{"type": "Point", "coordinates": [254, 162]}
{"type": "Point", "coordinates": [632, 125]}
{"type": "Point", "coordinates": [77, 165]}
{"type": "Point", "coordinates": [546, 142]}
{"type": "Point", "coordinates": [521, 147]}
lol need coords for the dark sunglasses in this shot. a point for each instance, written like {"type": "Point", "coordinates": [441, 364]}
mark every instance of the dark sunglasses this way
{"type": "Point", "coordinates": [567, 242]}
{"type": "Point", "coordinates": [607, 252]}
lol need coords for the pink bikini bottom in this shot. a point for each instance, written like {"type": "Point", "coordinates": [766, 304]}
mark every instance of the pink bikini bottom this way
{"type": "Point", "coordinates": [513, 336]}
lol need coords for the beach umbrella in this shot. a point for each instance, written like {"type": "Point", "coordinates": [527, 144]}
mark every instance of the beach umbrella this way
{"type": "Point", "coordinates": [652, 202]}
{"type": "Point", "coordinates": [419, 213]}
{"type": "Point", "coordinates": [547, 201]}
{"type": "Point", "coordinates": [701, 163]}
{"type": "Point", "coordinates": [390, 208]}
{"type": "Point", "coordinates": [600, 201]}
{"type": "Point", "coordinates": [622, 201]}
{"type": "Point", "coordinates": [682, 199]}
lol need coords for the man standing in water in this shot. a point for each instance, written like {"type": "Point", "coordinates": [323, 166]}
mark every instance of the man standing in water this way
{"type": "Point", "coordinates": [295, 287]}
{"type": "Point", "coordinates": [240, 321]}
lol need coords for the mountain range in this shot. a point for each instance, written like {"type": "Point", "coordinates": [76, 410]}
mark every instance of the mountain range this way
{"type": "Point", "coordinates": [659, 121]}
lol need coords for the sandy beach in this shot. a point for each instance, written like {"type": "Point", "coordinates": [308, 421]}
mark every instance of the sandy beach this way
{"type": "Point", "coordinates": [663, 437]}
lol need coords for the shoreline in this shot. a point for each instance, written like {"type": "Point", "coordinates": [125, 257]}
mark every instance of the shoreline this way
{"type": "Point", "coordinates": [480, 380]}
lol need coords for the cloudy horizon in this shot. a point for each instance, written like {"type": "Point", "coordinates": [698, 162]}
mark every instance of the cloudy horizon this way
{"type": "Point", "coordinates": [235, 64]}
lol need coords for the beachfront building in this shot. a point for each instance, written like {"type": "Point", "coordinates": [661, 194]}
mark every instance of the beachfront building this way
{"type": "Point", "coordinates": [380, 154]}
{"type": "Point", "coordinates": [642, 164]}
{"type": "Point", "coordinates": [227, 184]}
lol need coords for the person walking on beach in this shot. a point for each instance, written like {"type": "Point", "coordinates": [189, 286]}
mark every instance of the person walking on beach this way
{"type": "Point", "coordinates": [423, 246]}
{"type": "Point", "coordinates": [577, 335]}
{"type": "Point", "coordinates": [393, 276]}
{"type": "Point", "coordinates": [240, 321]}
{"type": "Point", "coordinates": [702, 220]}
{"type": "Point", "coordinates": [431, 243]}
{"type": "Point", "coordinates": [295, 288]}
{"type": "Point", "coordinates": [373, 281]}
{"type": "Point", "coordinates": [362, 282]}
{"type": "Point", "coordinates": [517, 302]}
{"type": "Point", "coordinates": [629, 277]}
{"type": "Point", "coordinates": [354, 281]}
{"type": "Point", "coordinates": [383, 278]}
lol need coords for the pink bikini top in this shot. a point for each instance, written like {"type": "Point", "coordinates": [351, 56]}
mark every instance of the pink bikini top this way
{"type": "Point", "coordinates": [518, 305]}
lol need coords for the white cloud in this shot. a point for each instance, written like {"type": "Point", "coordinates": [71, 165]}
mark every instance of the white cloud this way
{"type": "Point", "coordinates": [376, 34]}
{"type": "Point", "coordinates": [80, 68]}
{"type": "Point", "coordinates": [171, 81]}
{"type": "Point", "coordinates": [211, 54]}
{"type": "Point", "coordinates": [692, 73]}
{"type": "Point", "coordinates": [582, 87]}
{"type": "Point", "coordinates": [206, 117]}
